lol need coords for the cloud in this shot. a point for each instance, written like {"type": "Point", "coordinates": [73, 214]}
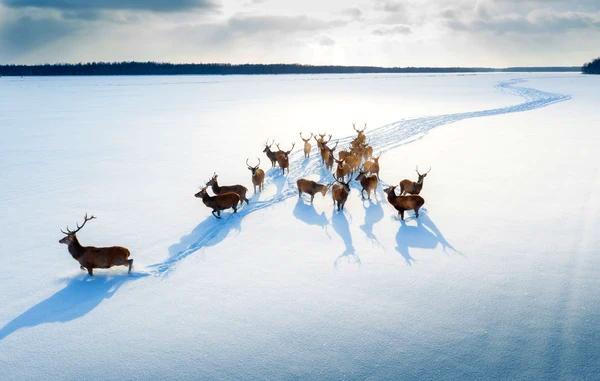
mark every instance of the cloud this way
{"type": "Point", "coordinates": [247, 25]}
{"type": "Point", "coordinates": [353, 13]}
{"type": "Point", "coordinates": [326, 41]}
{"type": "Point", "coordinates": [22, 34]}
{"type": "Point", "coordinates": [93, 5]}
{"type": "Point", "coordinates": [395, 30]}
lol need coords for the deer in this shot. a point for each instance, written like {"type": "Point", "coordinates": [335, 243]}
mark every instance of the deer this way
{"type": "Point", "coordinates": [372, 166]}
{"type": "Point", "coordinates": [283, 159]}
{"type": "Point", "coordinates": [311, 188]}
{"type": "Point", "coordinates": [339, 193]}
{"type": "Point", "coordinates": [90, 257]}
{"type": "Point", "coordinates": [411, 187]}
{"type": "Point", "coordinates": [258, 176]}
{"type": "Point", "coordinates": [360, 138]}
{"type": "Point", "coordinates": [240, 190]}
{"type": "Point", "coordinates": [307, 146]}
{"type": "Point", "coordinates": [270, 154]}
{"type": "Point", "coordinates": [368, 184]}
{"type": "Point", "coordinates": [322, 144]}
{"type": "Point", "coordinates": [342, 170]}
{"type": "Point", "coordinates": [330, 158]}
{"type": "Point", "coordinates": [219, 202]}
{"type": "Point", "coordinates": [353, 161]}
{"type": "Point", "coordinates": [402, 203]}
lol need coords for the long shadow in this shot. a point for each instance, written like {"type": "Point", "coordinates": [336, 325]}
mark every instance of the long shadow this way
{"type": "Point", "coordinates": [307, 214]}
{"type": "Point", "coordinates": [342, 228]}
{"type": "Point", "coordinates": [425, 235]}
{"type": "Point", "coordinates": [80, 296]}
{"type": "Point", "coordinates": [373, 214]}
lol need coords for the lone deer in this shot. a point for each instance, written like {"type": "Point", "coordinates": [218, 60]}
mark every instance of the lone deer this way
{"type": "Point", "coordinates": [258, 176]}
{"type": "Point", "coordinates": [307, 146]}
{"type": "Point", "coordinates": [339, 193]}
{"type": "Point", "coordinates": [219, 202]}
{"type": "Point", "coordinates": [311, 188]}
{"type": "Point", "coordinates": [411, 187]}
{"type": "Point", "coordinates": [270, 154]}
{"type": "Point", "coordinates": [283, 158]}
{"type": "Point", "coordinates": [372, 166]}
{"type": "Point", "coordinates": [90, 257]}
{"type": "Point", "coordinates": [240, 190]}
{"type": "Point", "coordinates": [402, 203]}
{"type": "Point", "coordinates": [368, 183]}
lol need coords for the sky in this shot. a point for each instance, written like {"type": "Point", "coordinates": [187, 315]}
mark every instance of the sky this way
{"type": "Point", "coordinates": [495, 33]}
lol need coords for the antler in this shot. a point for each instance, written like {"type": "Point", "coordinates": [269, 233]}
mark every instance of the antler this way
{"type": "Point", "coordinates": [417, 168]}
{"type": "Point", "coordinates": [354, 127]}
{"type": "Point", "coordinates": [85, 219]}
{"type": "Point", "coordinates": [306, 140]}
{"type": "Point", "coordinates": [293, 144]}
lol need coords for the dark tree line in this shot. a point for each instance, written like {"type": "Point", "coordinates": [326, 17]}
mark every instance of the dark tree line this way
{"type": "Point", "coordinates": [592, 67]}
{"type": "Point", "coordinates": [157, 68]}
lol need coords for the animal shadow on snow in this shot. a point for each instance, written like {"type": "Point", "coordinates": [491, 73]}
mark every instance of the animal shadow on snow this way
{"type": "Point", "coordinates": [373, 214]}
{"type": "Point", "coordinates": [342, 228]}
{"type": "Point", "coordinates": [81, 295]}
{"type": "Point", "coordinates": [425, 235]}
{"type": "Point", "coordinates": [306, 213]}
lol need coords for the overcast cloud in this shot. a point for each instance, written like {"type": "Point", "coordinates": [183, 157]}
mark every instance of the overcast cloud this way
{"type": "Point", "coordinates": [380, 32]}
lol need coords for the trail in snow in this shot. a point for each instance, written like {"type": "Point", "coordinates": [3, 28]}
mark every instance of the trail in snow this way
{"type": "Point", "coordinates": [212, 231]}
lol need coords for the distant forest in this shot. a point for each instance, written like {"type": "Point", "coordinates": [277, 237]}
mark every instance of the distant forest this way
{"type": "Point", "coordinates": [592, 67]}
{"type": "Point", "coordinates": [157, 68]}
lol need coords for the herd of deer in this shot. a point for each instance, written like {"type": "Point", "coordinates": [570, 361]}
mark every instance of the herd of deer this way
{"type": "Point", "coordinates": [357, 160]}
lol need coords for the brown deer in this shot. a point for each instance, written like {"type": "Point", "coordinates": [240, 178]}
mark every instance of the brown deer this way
{"type": "Point", "coordinates": [342, 170]}
{"type": "Point", "coordinates": [411, 187]}
{"type": "Point", "coordinates": [283, 159]}
{"type": "Point", "coordinates": [90, 257]}
{"type": "Point", "coordinates": [240, 190]}
{"type": "Point", "coordinates": [270, 154]}
{"type": "Point", "coordinates": [258, 176]}
{"type": "Point", "coordinates": [368, 183]}
{"type": "Point", "coordinates": [322, 145]}
{"type": "Point", "coordinates": [311, 188]}
{"type": "Point", "coordinates": [353, 161]}
{"type": "Point", "coordinates": [360, 138]}
{"type": "Point", "coordinates": [307, 146]}
{"type": "Point", "coordinates": [372, 166]}
{"type": "Point", "coordinates": [330, 158]}
{"type": "Point", "coordinates": [219, 202]}
{"type": "Point", "coordinates": [340, 192]}
{"type": "Point", "coordinates": [402, 203]}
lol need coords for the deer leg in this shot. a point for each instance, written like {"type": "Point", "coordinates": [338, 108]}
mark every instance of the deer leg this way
{"type": "Point", "coordinates": [216, 214]}
{"type": "Point", "coordinates": [401, 212]}
{"type": "Point", "coordinates": [81, 267]}
{"type": "Point", "coordinates": [90, 271]}
{"type": "Point", "coordinates": [130, 262]}
{"type": "Point", "coordinates": [416, 212]}
{"type": "Point", "coordinates": [312, 197]}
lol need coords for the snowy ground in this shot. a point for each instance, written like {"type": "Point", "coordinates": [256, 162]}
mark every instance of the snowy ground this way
{"type": "Point", "coordinates": [499, 278]}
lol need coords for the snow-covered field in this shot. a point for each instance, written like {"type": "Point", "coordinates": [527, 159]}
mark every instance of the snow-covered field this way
{"type": "Point", "coordinates": [498, 278]}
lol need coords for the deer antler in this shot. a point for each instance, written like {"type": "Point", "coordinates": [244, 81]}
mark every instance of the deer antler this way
{"type": "Point", "coordinates": [354, 127]}
{"type": "Point", "coordinates": [85, 219]}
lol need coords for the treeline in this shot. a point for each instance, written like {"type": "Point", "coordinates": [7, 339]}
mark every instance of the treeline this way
{"type": "Point", "coordinates": [592, 67]}
{"type": "Point", "coordinates": [158, 68]}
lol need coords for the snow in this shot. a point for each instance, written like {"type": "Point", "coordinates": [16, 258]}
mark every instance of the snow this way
{"type": "Point", "coordinates": [498, 278]}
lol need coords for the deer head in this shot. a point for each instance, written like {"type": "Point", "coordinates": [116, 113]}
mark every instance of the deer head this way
{"type": "Point", "coordinates": [253, 168]}
{"type": "Point", "coordinates": [268, 146]}
{"type": "Point", "coordinates": [421, 175]}
{"type": "Point", "coordinates": [70, 235]}
{"type": "Point", "coordinates": [213, 180]}
{"type": "Point", "coordinates": [202, 193]}
{"type": "Point", "coordinates": [306, 140]}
